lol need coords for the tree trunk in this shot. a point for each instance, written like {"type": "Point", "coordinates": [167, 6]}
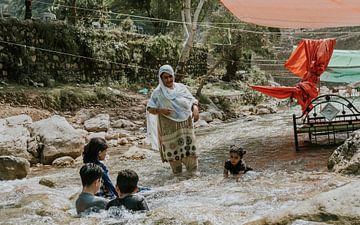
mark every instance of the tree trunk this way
{"type": "Point", "coordinates": [205, 78]}
{"type": "Point", "coordinates": [190, 26]}
{"type": "Point", "coordinates": [28, 13]}
{"type": "Point", "coordinates": [73, 12]}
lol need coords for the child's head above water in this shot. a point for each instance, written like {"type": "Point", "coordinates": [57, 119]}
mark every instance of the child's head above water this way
{"type": "Point", "coordinates": [236, 154]}
{"type": "Point", "coordinates": [127, 181]}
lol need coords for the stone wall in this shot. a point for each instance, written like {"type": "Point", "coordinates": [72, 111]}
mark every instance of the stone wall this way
{"type": "Point", "coordinates": [43, 52]}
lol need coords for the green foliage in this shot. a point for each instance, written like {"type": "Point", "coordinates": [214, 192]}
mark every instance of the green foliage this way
{"type": "Point", "coordinates": [87, 11]}
{"type": "Point", "coordinates": [255, 77]}
{"type": "Point", "coordinates": [239, 42]}
{"type": "Point", "coordinates": [128, 25]}
{"type": "Point", "coordinates": [203, 99]}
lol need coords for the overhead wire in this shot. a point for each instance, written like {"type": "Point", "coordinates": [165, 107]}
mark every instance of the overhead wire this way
{"type": "Point", "coordinates": [207, 24]}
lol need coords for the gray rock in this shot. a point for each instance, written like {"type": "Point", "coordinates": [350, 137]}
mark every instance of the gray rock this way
{"type": "Point", "coordinates": [262, 111]}
{"type": "Point", "coordinates": [137, 153]}
{"type": "Point", "coordinates": [81, 116]}
{"type": "Point", "coordinates": [13, 167]}
{"type": "Point", "coordinates": [126, 124]}
{"type": "Point", "coordinates": [342, 204]}
{"type": "Point", "coordinates": [346, 158]}
{"type": "Point", "coordinates": [96, 135]}
{"type": "Point", "coordinates": [22, 120]}
{"type": "Point", "coordinates": [58, 139]}
{"type": "Point", "coordinates": [201, 123]}
{"type": "Point", "coordinates": [14, 137]}
{"type": "Point", "coordinates": [64, 161]}
{"type": "Point", "coordinates": [123, 141]}
{"type": "Point", "coordinates": [99, 123]}
{"type": "Point", "coordinates": [206, 116]}
{"type": "Point", "coordinates": [46, 182]}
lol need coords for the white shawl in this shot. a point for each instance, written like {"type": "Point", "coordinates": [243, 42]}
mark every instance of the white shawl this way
{"type": "Point", "coordinates": [178, 99]}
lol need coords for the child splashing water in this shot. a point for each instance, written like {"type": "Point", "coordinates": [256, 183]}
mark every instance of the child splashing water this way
{"type": "Point", "coordinates": [235, 164]}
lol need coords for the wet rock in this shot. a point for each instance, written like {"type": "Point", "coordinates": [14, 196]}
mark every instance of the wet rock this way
{"type": "Point", "coordinates": [64, 161]}
{"type": "Point", "coordinates": [137, 153]}
{"type": "Point", "coordinates": [13, 167]}
{"type": "Point", "coordinates": [340, 205]}
{"type": "Point", "coordinates": [346, 158]}
{"type": "Point", "coordinates": [216, 122]}
{"type": "Point", "coordinates": [201, 123]}
{"type": "Point", "coordinates": [46, 182]}
{"type": "Point", "coordinates": [99, 123]}
{"type": "Point", "coordinates": [252, 118]}
{"type": "Point", "coordinates": [206, 116]}
{"type": "Point", "coordinates": [58, 139]}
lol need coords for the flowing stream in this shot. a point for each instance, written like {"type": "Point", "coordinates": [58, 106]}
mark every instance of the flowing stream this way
{"type": "Point", "coordinates": [281, 178]}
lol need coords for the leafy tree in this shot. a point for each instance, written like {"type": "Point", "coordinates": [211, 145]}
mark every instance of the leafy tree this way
{"type": "Point", "coordinates": [238, 42]}
{"type": "Point", "coordinates": [81, 12]}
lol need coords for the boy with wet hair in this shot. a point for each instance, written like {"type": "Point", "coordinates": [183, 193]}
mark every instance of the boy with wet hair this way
{"type": "Point", "coordinates": [236, 164]}
{"type": "Point", "coordinates": [126, 186]}
{"type": "Point", "coordinates": [90, 174]}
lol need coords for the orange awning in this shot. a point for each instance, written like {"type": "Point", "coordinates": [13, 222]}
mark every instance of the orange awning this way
{"type": "Point", "coordinates": [296, 13]}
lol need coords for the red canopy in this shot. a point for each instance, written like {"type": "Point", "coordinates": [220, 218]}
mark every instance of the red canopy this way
{"type": "Point", "coordinates": [296, 13]}
{"type": "Point", "coordinates": [308, 61]}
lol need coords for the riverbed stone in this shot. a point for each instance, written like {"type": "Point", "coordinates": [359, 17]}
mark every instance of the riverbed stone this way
{"type": "Point", "coordinates": [201, 123]}
{"type": "Point", "coordinates": [346, 158]}
{"type": "Point", "coordinates": [123, 141]}
{"type": "Point", "coordinates": [126, 124]}
{"type": "Point", "coordinates": [58, 139]}
{"type": "Point", "coordinates": [206, 116]}
{"type": "Point", "coordinates": [47, 182]}
{"type": "Point", "coordinates": [14, 136]}
{"type": "Point", "coordinates": [137, 153]}
{"type": "Point", "coordinates": [97, 124]}
{"type": "Point", "coordinates": [341, 204]}
{"type": "Point", "coordinates": [64, 161]}
{"type": "Point", "coordinates": [13, 167]}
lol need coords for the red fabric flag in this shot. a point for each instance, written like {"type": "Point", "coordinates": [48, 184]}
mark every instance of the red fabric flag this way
{"type": "Point", "coordinates": [308, 61]}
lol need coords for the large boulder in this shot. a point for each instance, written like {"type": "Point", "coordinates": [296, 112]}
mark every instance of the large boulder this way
{"type": "Point", "coordinates": [13, 167]}
{"type": "Point", "coordinates": [346, 158]}
{"type": "Point", "coordinates": [97, 124]}
{"type": "Point", "coordinates": [14, 137]}
{"type": "Point", "coordinates": [340, 205]}
{"type": "Point", "coordinates": [58, 138]}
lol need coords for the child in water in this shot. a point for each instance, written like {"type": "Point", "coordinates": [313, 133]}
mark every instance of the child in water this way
{"type": "Point", "coordinates": [236, 165]}
{"type": "Point", "coordinates": [95, 152]}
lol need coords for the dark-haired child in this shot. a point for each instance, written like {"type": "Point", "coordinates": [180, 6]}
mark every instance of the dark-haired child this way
{"type": "Point", "coordinates": [90, 174]}
{"type": "Point", "coordinates": [236, 165]}
{"type": "Point", "coordinates": [95, 152]}
{"type": "Point", "coordinates": [126, 185]}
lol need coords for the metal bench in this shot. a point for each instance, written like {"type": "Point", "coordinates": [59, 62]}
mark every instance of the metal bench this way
{"type": "Point", "coordinates": [327, 115]}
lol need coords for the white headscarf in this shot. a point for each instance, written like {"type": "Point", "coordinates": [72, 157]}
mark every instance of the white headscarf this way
{"type": "Point", "coordinates": [178, 99]}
